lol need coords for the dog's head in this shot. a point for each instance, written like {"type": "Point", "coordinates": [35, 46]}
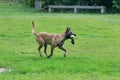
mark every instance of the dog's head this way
{"type": "Point", "coordinates": [70, 35]}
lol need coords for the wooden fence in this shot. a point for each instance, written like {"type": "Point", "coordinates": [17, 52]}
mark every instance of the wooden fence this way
{"type": "Point", "coordinates": [75, 8]}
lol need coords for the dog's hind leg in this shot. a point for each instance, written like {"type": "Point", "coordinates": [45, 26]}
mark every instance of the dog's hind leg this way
{"type": "Point", "coordinates": [63, 49]}
{"type": "Point", "coordinates": [40, 46]}
{"type": "Point", "coordinates": [45, 48]}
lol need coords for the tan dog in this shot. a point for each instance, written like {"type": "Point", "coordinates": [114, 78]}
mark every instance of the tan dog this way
{"type": "Point", "coordinates": [55, 40]}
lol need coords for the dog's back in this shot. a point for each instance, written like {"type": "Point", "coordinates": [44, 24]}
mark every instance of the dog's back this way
{"type": "Point", "coordinates": [45, 37]}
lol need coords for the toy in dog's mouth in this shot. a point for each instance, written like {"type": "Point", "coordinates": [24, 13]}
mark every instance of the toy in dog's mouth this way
{"type": "Point", "coordinates": [72, 38]}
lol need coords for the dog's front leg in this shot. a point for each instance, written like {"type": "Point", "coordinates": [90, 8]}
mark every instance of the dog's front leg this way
{"type": "Point", "coordinates": [52, 50]}
{"type": "Point", "coordinates": [60, 47]}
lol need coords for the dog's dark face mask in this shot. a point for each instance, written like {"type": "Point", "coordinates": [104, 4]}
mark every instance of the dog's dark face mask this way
{"type": "Point", "coordinates": [70, 35]}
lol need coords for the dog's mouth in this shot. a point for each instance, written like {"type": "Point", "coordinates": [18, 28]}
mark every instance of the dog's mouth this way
{"type": "Point", "coordinates": [72, 38]}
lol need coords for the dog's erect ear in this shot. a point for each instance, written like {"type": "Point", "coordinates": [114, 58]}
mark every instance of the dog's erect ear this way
{"type": "Point", "coordinates": [67, 29]}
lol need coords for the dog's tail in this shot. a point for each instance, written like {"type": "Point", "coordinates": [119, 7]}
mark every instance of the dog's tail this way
{"type": "Point", "coordinates": [33, 30]}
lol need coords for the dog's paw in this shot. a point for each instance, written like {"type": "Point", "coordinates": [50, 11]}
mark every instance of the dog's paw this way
{"type": "Point", "coordinates": [64, 56]}
{"type": "Point", "coordinates": [41, 56]}
{"type": "Point", "coordinates": [48, 56]}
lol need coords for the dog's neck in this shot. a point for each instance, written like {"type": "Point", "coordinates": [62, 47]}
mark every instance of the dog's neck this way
{"type": "Point", "coordinates": [62, 35]}
{"type": "Point", "coordinates": [63, 38]}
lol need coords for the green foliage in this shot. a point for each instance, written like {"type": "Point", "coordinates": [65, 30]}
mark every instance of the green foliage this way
{"type": "Point", "coordinates": [28, 3]}
{"type": "Point", "coordinates": [116, 4]}
{"type": "Point", "coordinates": [111, 5]}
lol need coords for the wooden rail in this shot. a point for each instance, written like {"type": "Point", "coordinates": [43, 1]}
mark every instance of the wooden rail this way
{"type": "Point", "coordinates": [51, 7]}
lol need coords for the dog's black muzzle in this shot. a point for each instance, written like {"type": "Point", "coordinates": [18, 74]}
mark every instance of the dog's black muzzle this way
{"type": "Point", "coordinates": [72, 41]}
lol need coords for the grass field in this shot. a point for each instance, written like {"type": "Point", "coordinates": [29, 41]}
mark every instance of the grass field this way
{"type": "Point", "coordinates": [95, 56]}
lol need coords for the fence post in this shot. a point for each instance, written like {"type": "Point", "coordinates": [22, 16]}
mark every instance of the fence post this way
{"type": "Point", "coordinates": [75, 10]}
{"type": "Point", "coordinates": [49, 10]}
{"type": "Point", "coordinates": [38, 4]}
{"type": "Point", "coordinates": [103, 10]}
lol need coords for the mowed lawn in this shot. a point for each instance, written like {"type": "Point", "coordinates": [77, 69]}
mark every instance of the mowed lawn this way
{"type": "Point", "coordinates": [94, 56]}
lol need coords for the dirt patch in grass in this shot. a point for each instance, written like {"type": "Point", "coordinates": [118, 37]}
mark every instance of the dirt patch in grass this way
{"type": "Point", "coordinates": [4, 70]}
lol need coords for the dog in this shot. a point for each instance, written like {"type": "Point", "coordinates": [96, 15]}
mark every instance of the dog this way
{"type": "Point", "coordinates": [55, 40]}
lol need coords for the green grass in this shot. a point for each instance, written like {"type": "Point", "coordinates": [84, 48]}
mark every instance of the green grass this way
{"type": "Point", "coordinates": [95, 56]}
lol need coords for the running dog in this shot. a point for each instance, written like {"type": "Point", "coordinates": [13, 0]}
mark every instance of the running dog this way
{"type": "Point", "coordinates": [55, 40]}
